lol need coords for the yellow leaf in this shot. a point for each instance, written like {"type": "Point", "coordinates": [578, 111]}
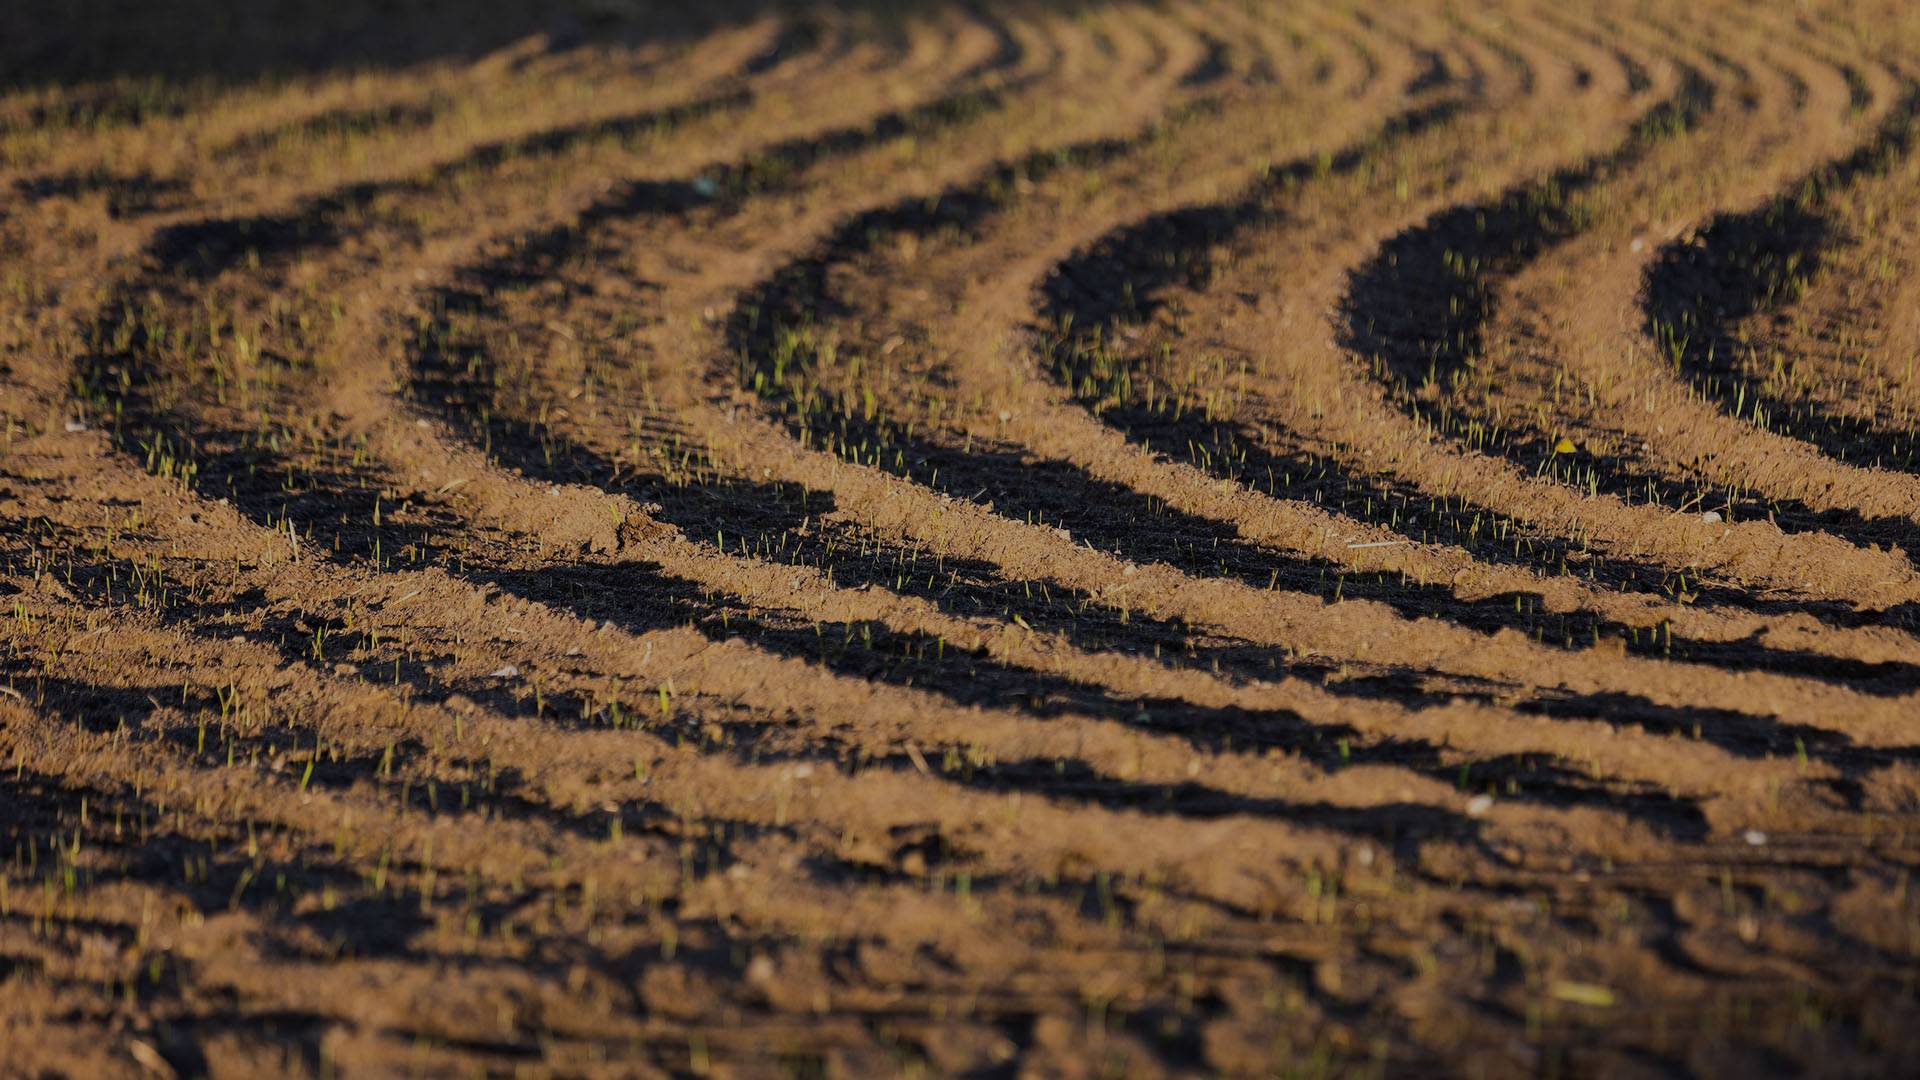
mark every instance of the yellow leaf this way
{"type": "Point", "coordinates": [1580, 993]}
{"type": "Point", "coordinates": [1564, 446]}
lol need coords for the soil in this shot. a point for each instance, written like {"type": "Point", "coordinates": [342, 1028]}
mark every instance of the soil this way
{"type": "Point", "coordinates": [987, 538]}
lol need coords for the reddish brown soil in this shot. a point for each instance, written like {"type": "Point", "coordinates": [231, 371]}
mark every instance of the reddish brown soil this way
{"type": "Point", "coordinates": [962, 538]}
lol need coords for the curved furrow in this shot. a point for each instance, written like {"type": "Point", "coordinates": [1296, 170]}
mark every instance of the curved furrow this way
{"type": "Point", "coordinates": [106, 137]}
{"type": "Point", "coordinates": [440, 851]}
{"type": "Point", "coordinates": [562, 461]}
{"type": "Point", "coordinates": [759, 227]}
{"type": "Point", "coordinates": [264, 330]}
{"type": "Point", "coordinates": [1754, 314]}
{"type": "Point", "coordinates": [667, 658]}
{"type": "Point", "coordinates": [1445, 469]}
{"type": "Point", "coordinates": [52, 258]}
{"type": "Point", "coordinates": [1001, 666]}
{"type": "Point", "coordinates": [863, 231]}
{"type": "Point", "coordinates": [1175, 249]}
{"type": "Point", "coordinates": [1089, 296]}
{"type": "Point", "coordinates": [1834, 667]}
{"type": "Point", "coordinates": [1863, 505]}
{"type": "Point", "coordinates": [462, 913]}
{"type": "Point", "coordinates": [299, 131]}
{"type": "Point", "coordinates": [338, 119]}
{"type": "Point", "coordinates": [1482, 406]}
{"type": "Point", "coordinates": [559, 760]}
{"type": "Point", "coordinates": [543, 109]}
{"type": "Point", "coordinates": [919, 515]}
{"type": "Point", "coordinates": [795, 148]}
{"type": "Point", "coordinates": [351, 744]}
{"type": "Point", "coordinates": [799, 148]}
{"type": "Point", "coordinates": [433, 849]}
{"type": "Point", "coordinates": [900, 570]}
{"type": "Point", "coordinates": [1731, 649]}
{"type": "Point", "coordinates": [1230, 447]}
{"type": "Point", "coordinates": [240, 453]}
{"type": "Point", "coordinates": [1875, 649]}
{"type": "Point", "coordinates": [595, 112]}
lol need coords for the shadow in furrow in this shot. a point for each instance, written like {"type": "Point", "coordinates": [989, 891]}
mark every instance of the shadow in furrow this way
{"type": "Point", "coordinates": [1126, 278]}
{"type": "Point", "coordinates": [1702, 294]}
{"type": "Point", "coordinates": [339, 123]}
{"type": "Point", "coordinates": [127, 194]}
{"type": "Point", "coordinates": [205, 249]}
{"type": "Point", "coordinates": [1423, 304]}
{"type": "Point", "coordinates": [300, 480]}
{"type": "Point", "coordinates": [769, 331]}
{"type": "Point", "coordinates": [1420, 311]}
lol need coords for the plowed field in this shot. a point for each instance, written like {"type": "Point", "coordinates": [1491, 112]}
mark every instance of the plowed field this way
{"type": "Point", "coordinates": [1192, 537]}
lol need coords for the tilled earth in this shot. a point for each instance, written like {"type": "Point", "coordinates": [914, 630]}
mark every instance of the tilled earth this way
{"type": "Point", "coordinates": [1197, 537]}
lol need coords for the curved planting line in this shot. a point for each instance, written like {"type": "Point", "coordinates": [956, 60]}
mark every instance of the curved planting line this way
{"type": "Point", "coordinates": [1705, 295]}
{"type": "Point", "coordinates": [1123, 279]}
{"type": "Point", "coordinates": [284, 472]}
{"type": "Point", "coordinates": [338, 123]}
{"type": "Point", "coordinates": [890, 127]}
{"type": "Point", "coordinates": [348, 747]}
{"type": "Point", "coordinates": [1422, 308]}
{"type": "Point", "coordinates": [802, 766]}
{"type": "Point", "coordinates": [207, 249]}
{"type": "Point", "coordinates": [127, 195]}
{"type": "Point", "coordinates": [745, 510]}
{"type": "Point", "coordinates": [1422, 305]}
{"type": "Point", "coordinates": [567, 460]}
{"type": "Point", "coordinates": [785, 351]}
{"type": "Point", "coordinates": [1397, 824]}
{"type": "Point", "coordinates": [1451, 273]}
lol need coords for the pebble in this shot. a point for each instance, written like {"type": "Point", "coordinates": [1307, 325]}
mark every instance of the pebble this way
{"type": "Point", "coordinates": [1756, 838]}
{"type": "Point", "coordinates": [1479, 805]}
{"type": "Point", "coordinates": [1711, 517]}
{"type": "Point", "coordinates": [508, 672]}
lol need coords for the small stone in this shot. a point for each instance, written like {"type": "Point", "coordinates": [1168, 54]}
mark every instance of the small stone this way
{"type": "Point", "coordinates": [760, 970]}
{"type": "Point", "coordinates": [74, 427]}
{"type": "Point", "coordinates": [1711, 517]}
{"type": "Point", "coordinates": [1755, 838]}
{"type": "Point", "coordinates": [705, 187]}
{"type": "Point", "coordinates": [508, 672]}
{"type": "Point", "coordinates": [1479, 805]}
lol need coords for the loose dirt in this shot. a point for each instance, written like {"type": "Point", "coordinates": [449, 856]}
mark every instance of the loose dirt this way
{"type": "Point", "coordinates": [960, 538]}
